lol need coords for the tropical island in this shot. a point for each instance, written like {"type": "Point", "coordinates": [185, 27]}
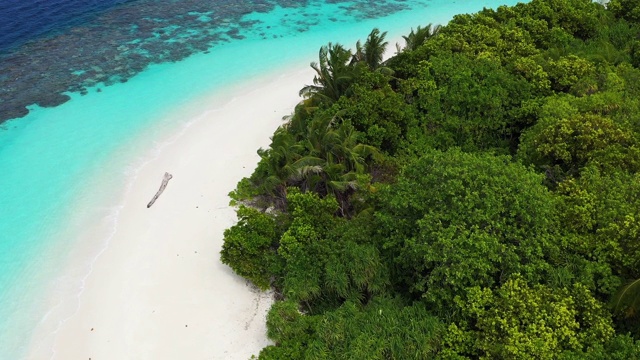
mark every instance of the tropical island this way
{"type": "Point", "coordinates": [475, 196]}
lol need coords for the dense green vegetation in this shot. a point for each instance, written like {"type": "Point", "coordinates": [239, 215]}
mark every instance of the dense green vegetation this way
{"type": "Point", "coordinates": [475, 196]}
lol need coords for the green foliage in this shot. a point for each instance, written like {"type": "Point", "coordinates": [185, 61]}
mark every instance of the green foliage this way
{"type": "Point", "coordinates": [580, 18]}
{"type": "Point", "coordinates": [620, 34]}
{"type": "Point", "coordinates": [517, 321]}
{"type": "Point", "coordinates": [475, 196]}
{"type": "Point", "coordinates": [418, 37]}
{"type": "Point", "coordinates": [372, 53]}
{"type": "Point", "coordinates": [325, 255]}
{"type": "Point", "coordinates": [455, 220]}
{"type": "Point", "coordinates": [333, 75]}
{"type": "Point", "coordinates": [572, 74]}
{"type": "Point", "coordinates": [383, 329]}
{"type": "Point", "coordinates": [327, 159]}
{"type": "Point", "coordinates": [606, 209]}
{"type": "Point", "coordinates": [627, 299]}
{"type": "Point", "coordinates": [482, 36]}
{"type": "Point", "coordinates": [290, 329]}
{"type": "Point", "coordinates": [626, 9]}
{"type": "Point", "coordinates": [534, 73]}
{"type": "Point", "coordinates": [471, 103]}
{"type": "Point", "coordinates": [250, 247]}
{"type": "Point", "coordinates": [621, 347]}
{"type": "Point", "coordinates": [378, 113]}
{"type": "Point", "coordinates": [304, 242]}
{"type": "Point", "coordinates": [270, 179]}
{"type": "Point", "coordinates": [573, 140]}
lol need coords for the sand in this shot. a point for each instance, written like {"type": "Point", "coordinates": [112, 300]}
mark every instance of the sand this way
{"type": "Point", "coordinates": [158, 290]}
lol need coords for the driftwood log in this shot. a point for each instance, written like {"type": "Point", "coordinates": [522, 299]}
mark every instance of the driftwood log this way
{"type": "Point", "coordinates": [165, 181]}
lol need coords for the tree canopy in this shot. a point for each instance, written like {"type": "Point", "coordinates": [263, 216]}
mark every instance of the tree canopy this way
{"type": "Point", "coordinates": [475, 196]}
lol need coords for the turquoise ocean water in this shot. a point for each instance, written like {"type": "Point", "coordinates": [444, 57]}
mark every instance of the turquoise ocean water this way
{"type": "Point", "coordinates": [52, 159]}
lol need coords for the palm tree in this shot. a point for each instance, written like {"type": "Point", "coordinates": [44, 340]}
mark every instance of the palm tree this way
{"type": "Point", "coordinates": [297, 122]}
{"type": "Point", "coordinates": [627, 299]}
{"type": "Point", "coordinates": [318, 145]}
{"type": "Point", "coordinates": [418, 37]}
{"type": "Point", "coordinates": [372, 53]}
{"type": "Point", "coordinates": [333, 160]}
{"type": "Point", "coordinates": [276, 168]}
{"type": "Point", "coordinates": [333, 74]}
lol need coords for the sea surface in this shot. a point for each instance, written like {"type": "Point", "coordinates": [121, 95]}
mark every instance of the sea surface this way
{"type": "Point", "coordinates": [85, 89]}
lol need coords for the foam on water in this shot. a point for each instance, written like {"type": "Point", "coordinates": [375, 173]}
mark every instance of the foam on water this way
{"type": "Point", "coordinates": [65, 169]}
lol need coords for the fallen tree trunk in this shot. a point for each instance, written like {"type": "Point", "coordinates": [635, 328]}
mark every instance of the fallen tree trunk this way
{"type": "Point", "coordinates": [165, 181]}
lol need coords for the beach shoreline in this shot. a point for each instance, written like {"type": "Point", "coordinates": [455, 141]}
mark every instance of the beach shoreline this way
{"type": "Point", "coordinates": [157, 288]}
{"type": "Point", "coordinates": [125, 293]}
{"type": "Point", "coordinates": [116, 280]}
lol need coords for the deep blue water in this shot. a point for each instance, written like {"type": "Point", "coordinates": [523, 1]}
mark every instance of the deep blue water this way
{"type": "Point", "coordinates": [24, 20]}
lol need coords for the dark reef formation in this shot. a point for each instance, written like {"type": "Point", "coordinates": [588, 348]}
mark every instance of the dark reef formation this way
{"type": "Point", "coordinates": [123, 41]}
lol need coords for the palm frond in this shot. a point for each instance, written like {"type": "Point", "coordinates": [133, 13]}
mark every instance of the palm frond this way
{"type": "Point", "coordinates": [342, 186]}
{"type": "Point", "coordinates": [307, 170]}
{"type": "Point", "coordinates": [308, 161]}
{"type": "Point", "coordinates": [627, 299]}
{"type": "Point", "coordinates": [418, 37]}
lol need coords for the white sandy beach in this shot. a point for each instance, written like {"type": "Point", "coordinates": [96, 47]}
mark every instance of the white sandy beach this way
{"type": "Point", "coordinates": [156, 289]}
{"type": "Point", "coordinates": [159, 290]}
